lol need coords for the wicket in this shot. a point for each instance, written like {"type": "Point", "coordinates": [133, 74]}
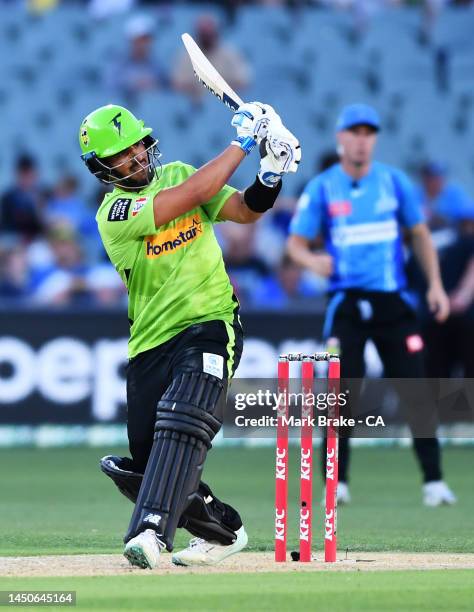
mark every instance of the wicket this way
{"type": "Point", "coordinates": [306, 459]}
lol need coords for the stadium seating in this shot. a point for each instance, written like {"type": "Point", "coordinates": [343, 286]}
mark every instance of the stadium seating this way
{"type": "Point", "coordinates": [55, 67]}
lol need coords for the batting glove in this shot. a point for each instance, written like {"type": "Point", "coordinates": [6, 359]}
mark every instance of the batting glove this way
{"type": "Point", "coordinates": [280, 153]}
{"type": "Point", "coordinates": [251, 121]}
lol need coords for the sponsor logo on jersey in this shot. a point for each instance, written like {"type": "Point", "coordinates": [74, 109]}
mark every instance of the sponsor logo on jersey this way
{"type": "Point", "coordinates": [119, 210]}
{"type": "Point", "coordinates": [138, 205]}
{"type": "Point", "coordinates": [386, 204]}
{"type": "Point", "coordinates": [340, 208]}
{"type": "Point", "coordinates": [364, 233]}
{"type": "Point", "coordinates": [184, 232]}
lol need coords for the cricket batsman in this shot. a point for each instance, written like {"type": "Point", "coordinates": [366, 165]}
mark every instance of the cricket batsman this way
{"type": "Point", "coordinates": [361, 208]}
{"type": "Point", "coordinates": [185, 334]}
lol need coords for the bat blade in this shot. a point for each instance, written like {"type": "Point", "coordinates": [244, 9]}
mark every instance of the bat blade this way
{"type": "Point", "coordinates": [208, 75]}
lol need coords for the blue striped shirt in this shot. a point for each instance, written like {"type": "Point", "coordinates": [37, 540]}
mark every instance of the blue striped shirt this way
{"type": "Point", "coordinates": [361, 223]}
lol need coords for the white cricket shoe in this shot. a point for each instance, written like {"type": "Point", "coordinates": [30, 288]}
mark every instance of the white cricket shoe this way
{"type": "Point", "coordinates": [437, 493]}
{"type": "Point", "coordinates": [144, 549]}
{"type": "Point", "coordinates": [343, 494]}
{"type": "Point", "coordinates": [200, 552]}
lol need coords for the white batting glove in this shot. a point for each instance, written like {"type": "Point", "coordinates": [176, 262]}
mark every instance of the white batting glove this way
{"type": "Point", "coordinates": [280, 153]}
{"type": "Point", "coordinates": [251, 121]}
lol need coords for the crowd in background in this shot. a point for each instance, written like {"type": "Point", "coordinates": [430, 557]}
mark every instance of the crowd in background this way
{"type": "Point", "coordinates": [361, 10]}
{"type": "Point", "coordinates": [139, 70]}
{"type": "Point", "coordinates": [51, 253]}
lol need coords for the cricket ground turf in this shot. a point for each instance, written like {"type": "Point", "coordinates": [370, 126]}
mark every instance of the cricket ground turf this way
{"type": "Point", "coordinates": [62, 529]}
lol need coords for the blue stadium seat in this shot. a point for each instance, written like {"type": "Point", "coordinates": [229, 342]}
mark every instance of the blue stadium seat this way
{"type": "Point", "coordinates": [304, 61]}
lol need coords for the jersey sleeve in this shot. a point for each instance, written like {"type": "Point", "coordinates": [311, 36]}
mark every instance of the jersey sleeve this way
{"type": "Point", "coordinates": [128, 218]}
{"type": "Point", "coordinates": [308, 217]}
{"type": "Point", "coordinates": [123, 221]}
{"type": "Point", "coordinates": [411, 212]}
{"type": "Point", "coordinates": [215, 204]}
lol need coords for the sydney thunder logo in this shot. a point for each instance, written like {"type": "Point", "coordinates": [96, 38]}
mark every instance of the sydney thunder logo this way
{"type": "Point", "coordinates": [182, 234]}
{"type": "Point", "coordinates": [117, 123]}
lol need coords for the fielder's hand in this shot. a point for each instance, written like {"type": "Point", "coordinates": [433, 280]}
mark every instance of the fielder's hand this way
{"type": "Point", "coordinates": [438, 302]}
{"type": "Point", "coordinates": [251, 121]}
{"type": "Point", "coordinates": [280, 153]}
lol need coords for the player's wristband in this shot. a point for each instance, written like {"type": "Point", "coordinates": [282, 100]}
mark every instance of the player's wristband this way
{"type": "Point", "coordinates": [246, 143]}
{"type": "Point", "coordinates": [260, 197]}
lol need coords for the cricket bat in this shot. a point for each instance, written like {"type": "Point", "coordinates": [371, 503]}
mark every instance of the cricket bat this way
{"type": "Point", "coordinates": [208, 75]}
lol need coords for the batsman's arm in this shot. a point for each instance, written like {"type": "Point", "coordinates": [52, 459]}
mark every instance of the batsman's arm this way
{"type": "Point", "coordinates": [250, 123]}
{"type": "Point", "coordinates": [248, 206]}
{"type": "Point", "coordinates": [199, 188]}
{"type": "Point", "coordinates": [235, 209]}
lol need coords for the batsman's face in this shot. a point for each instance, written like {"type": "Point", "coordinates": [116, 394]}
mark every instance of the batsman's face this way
{"type": "Point", "coordinates": [131, 162]}
{"type": "Point", "coordinates": [357, 144]}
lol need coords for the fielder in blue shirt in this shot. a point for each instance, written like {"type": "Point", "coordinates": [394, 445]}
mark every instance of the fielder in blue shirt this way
{"type": "Point", "coordinates": [360, 211]}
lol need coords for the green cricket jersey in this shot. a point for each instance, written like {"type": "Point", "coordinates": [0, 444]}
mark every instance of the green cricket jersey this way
{"type": "Point", "coordinates": [174, 274]}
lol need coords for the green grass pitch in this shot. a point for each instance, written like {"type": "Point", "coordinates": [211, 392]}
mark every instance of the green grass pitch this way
{"type": "Point", "coordinates": [56, 501]}
{"type": "Point", "coordinates": [342, 592]}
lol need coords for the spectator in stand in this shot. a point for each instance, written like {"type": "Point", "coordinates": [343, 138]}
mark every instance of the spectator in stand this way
{"type": "Point", "coordinates": [66, 207]}
{"type": "Point", "coordinates": [58, 273]}
{"type": "Point", "coordinates": [64, 282]}
{"type": "Point", "coordinates": [14, 273]}
{"type": "Point", "coordinates": [103, 9]}
{"type": "Point", "coordinates": [271, 231]}
{"type": "Point", "coordinates": [38, 7]}
{"type": "Point", "coordinates": [227, 60]}
{"type": "Point", "coordinates": [21, 204]}
{"type": "Point", "coordinates": [443, 201]}
{"type": "Point", "coordinates": [431, 12]}
{"type": "Point", "coordinates": [362, 12]}
{"type": "Point", "coordinates": [246, 270]}
{"type": "Point", "coordinates": [139, 70]}
{"type": "Point", "coordinates": [289, 288]}
{"type": "Point", "coordinates": [106, 285]}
